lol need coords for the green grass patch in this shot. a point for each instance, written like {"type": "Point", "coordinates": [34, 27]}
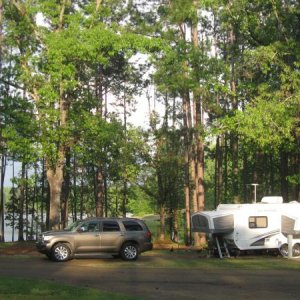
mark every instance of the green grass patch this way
{"type": "Point", "coordinates": [19, 288]}
{"type": "Point", "coordinates": [195, 259]}
{"type": "Point", "coordinates": [6, 245]}
{"type": "Point", "coordinates": [181, 259]}
{"type": "Point", "coordinates": [15, 245]}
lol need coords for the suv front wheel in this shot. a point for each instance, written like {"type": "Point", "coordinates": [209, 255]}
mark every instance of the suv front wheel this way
{"type": "Point", "coordinates": [61, 252]}
{"type": "Point", "coordinates": [129, 251]}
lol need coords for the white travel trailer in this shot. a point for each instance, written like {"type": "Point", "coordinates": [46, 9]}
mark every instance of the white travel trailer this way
{"type": "Point", "coordinates": [257, 226]}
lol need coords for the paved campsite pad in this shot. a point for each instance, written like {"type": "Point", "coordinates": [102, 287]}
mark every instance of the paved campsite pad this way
{"type": "Point", "coordinates": [146, 280]}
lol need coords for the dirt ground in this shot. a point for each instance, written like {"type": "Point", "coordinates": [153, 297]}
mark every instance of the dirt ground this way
{"type": "Point", "coordinates": [133, 278]}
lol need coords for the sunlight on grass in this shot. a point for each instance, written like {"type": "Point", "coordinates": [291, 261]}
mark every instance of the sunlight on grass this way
{"type": "Point", "coordinates": [193, 259]}
{"type": "Point", "coordinates": [18, 288]}
{"type": "Point", "coordinates": [180, 259]}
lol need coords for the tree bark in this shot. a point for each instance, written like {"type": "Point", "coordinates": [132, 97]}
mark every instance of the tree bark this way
{"type": "Point", "coordinates": [186, 122]}
{"type": "Point", "coordinates": [74, 203]}
{"type": "Point", "coordinates": [2, 202]}
{"type": "Point", "coordinates": [55, 174]}
{"type": "Point", "coordinates": [66, 190]}
{"type": "Point", "coordinates": [283, 175]}
{"type": "Point", "coordinates": [100, 193]}
{"type": "Point", "coordinates": [234, 138]}
{"type": "Point", "coordinates": [198, 155]}
{"type": "Point", "coordinates": [219, 197]}
{"type": "Point", "coordinates": [1, 167]}
{"type": "Point", "coordinates": [162, 214]}
{"type": "Point", "coordinates": [55, 179]}
{"type": "Point", "coordinates": [21, 204]}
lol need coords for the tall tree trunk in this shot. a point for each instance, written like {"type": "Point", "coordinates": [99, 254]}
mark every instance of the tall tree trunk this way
{"type": "Point", "coordinates": [271, 175]}
{"type": "Point", "coordinates": [254, 178]}
{"type": "Point", "coordinates": [105, 194]}
{"type": "Point", "coordinates": [66, 190]}
{"type": "Point", "coordinates": [48, 198]}
{"type": "Point", "coordinates": [161, 205]}
{"type": "Point", "coordinates": [21, 204]}
{"type": "Point", "coordinates": [219, 198]}
{"type": "Point", "coordinates": [175, 225]}
{"type": "Point", "coordinates": [1, 152]}
{"type": "Point", "coordinates": [298, 147]}
{"type": "Point", "coordinates": [186, 122]}
{"type": "Point", "coordinates": [245, 177]}
{"type": "Point", "coordinates": [74, 203]}
{"type": "Point", "coordinates": [199, 166]}
{"type": "Point", "coordinates": [43, 197]}
{"type": "Point", "coordinates": [198, 201]}
{"type": "Point", "coordinates": [284, 175]}
{"type": "Point", "coordinates": [26, 204]}
{"type": "Point", "coordinates": [162, 214]}
{"type": "Point", "coordinates": [81, 196]}
{"type": "Point", "coordinates": [100, 193]}
{"type": "Point", "coordinates": [2, 202]}
{"type": "Point", "coordinates": [226, 169]}
{"type": "Point", "coordinates": [34, 198]}
{"type": "Point", "coordinates": [55, 179]}
{"type": "Point", "coordinates": [13, 202]}
{"type": "Point", "coordinates": [100, 178]}
{"type": "Point", "coordinates": [26, 194]}
{"type": "Point", "coordinates": [55, 169]}
{"type": "Point", "coordinates": [55, 176]}
{"type": "Point", "coordinates": [234, 100]}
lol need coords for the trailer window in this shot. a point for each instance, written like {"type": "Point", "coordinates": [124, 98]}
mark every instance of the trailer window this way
{"type": "Point", "coordinates": [258, 222]}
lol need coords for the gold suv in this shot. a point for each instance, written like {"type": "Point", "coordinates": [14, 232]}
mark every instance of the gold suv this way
{"type": "Point", "coordinates": [124, 237]}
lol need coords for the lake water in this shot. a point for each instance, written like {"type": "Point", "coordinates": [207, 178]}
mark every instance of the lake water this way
{"type": "Point", "coordinates": [8, 233]}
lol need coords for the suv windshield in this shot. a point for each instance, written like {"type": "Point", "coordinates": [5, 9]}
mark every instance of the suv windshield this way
{"type": "Point", "coordinates": [72, 226]}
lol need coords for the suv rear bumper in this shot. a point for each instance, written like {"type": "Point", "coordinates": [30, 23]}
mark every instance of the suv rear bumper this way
{"type": "Point", "coordinates": [147, 246]}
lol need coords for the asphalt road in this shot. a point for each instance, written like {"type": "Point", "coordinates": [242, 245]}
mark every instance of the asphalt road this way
{"type": "Point", "coordinates": [158, 283]}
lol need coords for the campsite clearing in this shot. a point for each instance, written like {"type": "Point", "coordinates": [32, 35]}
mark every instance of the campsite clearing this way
{"type": "Point", "coordinates": [167, 275]}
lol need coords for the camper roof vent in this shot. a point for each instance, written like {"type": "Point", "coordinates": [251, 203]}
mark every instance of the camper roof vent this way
{"type": "Point", "coordinates": [272, 200]}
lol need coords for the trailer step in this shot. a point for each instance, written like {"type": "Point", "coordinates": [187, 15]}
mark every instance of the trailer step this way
{"type": "Point", "coordinates": [222, 247]}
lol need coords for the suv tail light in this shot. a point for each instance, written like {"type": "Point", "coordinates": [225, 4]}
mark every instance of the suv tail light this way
{"type": "Point", "coordinates": [148, 234]}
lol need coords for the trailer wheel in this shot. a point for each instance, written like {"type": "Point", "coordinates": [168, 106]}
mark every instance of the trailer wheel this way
{"type": "Point", "coordinates": [284, 251]}
{"type": "Point", "coordinates": [296, 250]}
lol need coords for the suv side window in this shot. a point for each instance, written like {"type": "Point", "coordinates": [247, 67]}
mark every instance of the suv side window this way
{"type": "Point", "coordinates": [109, 226]}
{"type": "Point", "coordinates": [91, 226]}
{"type": "Point", "coordinates": [132, 226]}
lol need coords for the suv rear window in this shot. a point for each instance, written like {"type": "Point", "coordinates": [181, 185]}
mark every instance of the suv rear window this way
{"type": "Point", "coordinates": [132, 226]}
{"type": "Point", "coordinates": [111, 226]}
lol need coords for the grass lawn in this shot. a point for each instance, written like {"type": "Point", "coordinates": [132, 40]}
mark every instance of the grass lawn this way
{"type": "Point", "coordinates": [20, 288]}
{"type": "Point", "coordinates": [197, 260]}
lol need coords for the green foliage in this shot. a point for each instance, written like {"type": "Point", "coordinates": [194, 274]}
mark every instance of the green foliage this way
{"type": "Point", "coordinates": [139, 203]}
{"type": "Point", "coordinates": [13, 288]}
{"type": "Point", "coordinates": [243, 73]}
{"type": "Point", "coordinates": [20, 129]}
{"type": "Point", "coordinates": [267, 124]}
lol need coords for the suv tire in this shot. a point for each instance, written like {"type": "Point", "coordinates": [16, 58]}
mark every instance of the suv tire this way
{"type": "Point", "coordinates": [61, 252]}
{"type": "Point", "coordinates": [129, 251]}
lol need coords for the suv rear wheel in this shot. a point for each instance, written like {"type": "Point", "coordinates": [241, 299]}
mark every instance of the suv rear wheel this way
{"type": "Point", "coordinates": [61, 252]}
{"type": "Point", "coordinates": [129, 251]}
